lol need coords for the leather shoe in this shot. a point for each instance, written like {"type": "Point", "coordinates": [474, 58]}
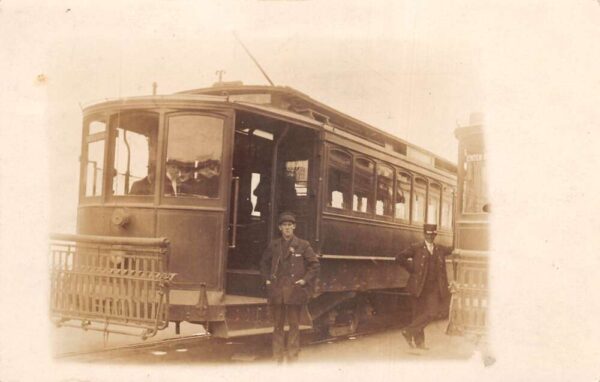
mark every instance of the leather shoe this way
{"type": "Point", "coordinates": [408, 337]}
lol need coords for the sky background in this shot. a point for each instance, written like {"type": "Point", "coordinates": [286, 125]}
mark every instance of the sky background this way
{"type": "Point", "coordinates": [400, 66]}
{"type": "Point", "coordinates": [413, 68]}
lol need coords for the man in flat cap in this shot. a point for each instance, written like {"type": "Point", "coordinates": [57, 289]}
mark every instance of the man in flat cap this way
{"type": "Point", "coordinates": [427, 284]}
{"type": "Point", "coordinates": [289, 267]}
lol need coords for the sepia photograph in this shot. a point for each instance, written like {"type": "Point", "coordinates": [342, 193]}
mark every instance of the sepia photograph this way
{"type": "Point", "coordinates": [346, 190]}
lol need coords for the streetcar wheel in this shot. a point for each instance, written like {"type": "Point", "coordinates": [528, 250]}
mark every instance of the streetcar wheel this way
{"type": "Point", "coordinates": [346, 324]}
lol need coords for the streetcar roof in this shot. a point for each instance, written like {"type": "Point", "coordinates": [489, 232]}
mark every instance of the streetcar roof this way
{"type": "Point", "coordinates": [187, 100]}
{"type": "Point", "coordinates": [275, 101]}
{"type": "Point", "coordinates": [301, 103]}
{"type": "Point", "coordinates": [297, 102]}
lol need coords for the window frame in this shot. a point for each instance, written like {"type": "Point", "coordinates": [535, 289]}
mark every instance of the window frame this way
{"type": "Point", "coordinates": [87, 120]}
{"type": "Point", "coordinates": [418, 182]}
{"type": "Point", "coordinates": [393, 171]}
{"type": "Point", "coordinates": [431, 184]}
{"type": "Point", "coordinates": [151, 198]}
{"type": "Point", "coordinates": [370, 201]}
{"type": "Point", "coordinates": [347, 209]}
{"type": "Point", "coordinates": [400, 170]}
{"type": "Point", "coordinates": [462, 179]}
{"type": "Point", "coordinates": [223, 193]}
{"type": "Point", "coordinates": [414, 187]}
{"type": "Point", "coordinates": [452, 206]}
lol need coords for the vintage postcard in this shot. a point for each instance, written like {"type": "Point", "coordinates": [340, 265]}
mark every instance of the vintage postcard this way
{"type": "Point", "coordinates": [333, 190]}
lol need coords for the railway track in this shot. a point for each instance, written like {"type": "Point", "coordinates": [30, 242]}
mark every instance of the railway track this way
{"type": "Point", "coordinates": [206, 349]}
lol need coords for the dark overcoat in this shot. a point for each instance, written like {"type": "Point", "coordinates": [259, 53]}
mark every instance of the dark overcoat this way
{"type": "Point", "coordinates": [283, 266]}
{"type": "Point", "coordinates": [415, 260]}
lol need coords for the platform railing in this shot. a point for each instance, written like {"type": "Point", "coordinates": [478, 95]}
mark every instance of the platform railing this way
{"type": "Point", "coordinates": [468, 307]}
{"type": "Point", "coordinates": [110, 284]}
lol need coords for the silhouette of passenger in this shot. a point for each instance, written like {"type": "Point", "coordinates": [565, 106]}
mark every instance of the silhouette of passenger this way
{"type": "Point", "coordinates": [145, 186]}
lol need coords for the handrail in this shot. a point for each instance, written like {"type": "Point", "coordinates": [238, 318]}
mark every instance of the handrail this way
{"type": "Point", "coordinates": [236, 192]}
{"type": "Point", "coordinates": [113, 240]}
{"type": "Point", "coordinates": [351, 257]}
{"type": "Point", "coordinates": [467, 252]}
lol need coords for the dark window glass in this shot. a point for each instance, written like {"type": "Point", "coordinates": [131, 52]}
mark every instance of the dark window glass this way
{"type": "Point", "coordinates": [297, 171]}
{"type": "Point", "coordinates": [364, 177]}
{"type": "Point", "coordinates": [384, 204]}
{"type": "Point", "coordinates": [194, 151]}
{"type": "Point", "coordinates": [340, 175]}
{"type": "Point", "coordinates": [402, 196]}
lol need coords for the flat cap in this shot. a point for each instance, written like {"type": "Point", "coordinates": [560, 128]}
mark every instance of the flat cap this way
{"type": "Point", "coordinates": [287, 217]}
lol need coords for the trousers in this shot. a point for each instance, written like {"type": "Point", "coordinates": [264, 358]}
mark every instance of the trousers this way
{"type": "Point", "coordinates": [280, 313]}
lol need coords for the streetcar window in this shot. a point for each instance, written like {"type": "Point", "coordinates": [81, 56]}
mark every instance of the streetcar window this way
{"type": "Point", "coordinates": [402, 196]}
{"type": "Point", "coordinates": [447, 197]}
{"type": "Point", "coordinates": [364, 177]}
{"type": "Point", "coordinates": [95, 158]}
{"type": "Point", "coordinates": [298, 172]}
{"type": "Point", "coordinates": [419, 197]}
{"type": "Point", "coordinates": [194, 150]}
{"type": "Point", "coordinates": [339, 181]}
{"type": "Point", "coordinates": [255, 180]}
{"type": "Point", "coordinates": [385, 191]}
{"type": "Point", "coordinates": [134, 163]}
{"type": "Point", "coordinates": [433, 207]}
{"type": "Point", "coordinates": [475, 186]}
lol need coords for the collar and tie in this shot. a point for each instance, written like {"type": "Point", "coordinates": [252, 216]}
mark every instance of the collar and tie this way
{"type": "Point", "coordinates": [429, 247]}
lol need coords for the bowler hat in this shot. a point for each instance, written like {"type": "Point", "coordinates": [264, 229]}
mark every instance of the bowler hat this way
{"type": "Point", "coordinates": [430, 228]}
{"type": "Point", "coordinates": [287, 217]}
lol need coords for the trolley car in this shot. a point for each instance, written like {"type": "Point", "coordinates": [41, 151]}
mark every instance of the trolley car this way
{"type": "Point", "coordinates": [468, 313]}
{"type": "Point", "coordinates": [179, 196]}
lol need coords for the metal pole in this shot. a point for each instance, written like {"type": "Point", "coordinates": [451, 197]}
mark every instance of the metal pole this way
{"type": "Point", "coordinates": [253, 59]}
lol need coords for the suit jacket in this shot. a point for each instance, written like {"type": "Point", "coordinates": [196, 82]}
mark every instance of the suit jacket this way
{"type": "Point", "coordinates": [144, 187]}
{"type": "Point", "coordinates": [415, 260]}
{"type": "Point", "coordinates": [284, 267]}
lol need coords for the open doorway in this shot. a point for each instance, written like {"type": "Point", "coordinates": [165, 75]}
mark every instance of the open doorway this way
{"type": "Point", "coordinates": [274, 163]}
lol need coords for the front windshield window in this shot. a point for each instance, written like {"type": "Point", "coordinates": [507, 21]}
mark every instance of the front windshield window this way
{"type": "Point", "coordinates": [94, 164]}
{"type": "Point", "coordinates": [135, 139]}
{"type": "Point", "coordinates": [194, 151]}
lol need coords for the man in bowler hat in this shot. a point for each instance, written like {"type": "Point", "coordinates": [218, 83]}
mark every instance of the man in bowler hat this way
{"type": "Point", "coordinates": [289, 267]}
{"type": "Point", "coordinates": [427, 284]}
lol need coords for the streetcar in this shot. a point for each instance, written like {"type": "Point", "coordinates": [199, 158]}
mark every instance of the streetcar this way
{"type": "Point", "coordinates": [179, 195]}
{"type": "Point", "coordinates": [468, 312]}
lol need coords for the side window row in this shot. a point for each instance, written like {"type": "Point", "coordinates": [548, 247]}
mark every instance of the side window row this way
{"type": "Point", "coordinates": [368, 187]}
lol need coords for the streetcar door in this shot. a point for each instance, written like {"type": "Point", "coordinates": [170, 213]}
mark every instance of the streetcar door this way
{"type": "Point", "coordinates": [295, 188]}
{"type": "Point", "coordinates": [272, 167]}
{"type": "Point", "coordinates": [194, 196]}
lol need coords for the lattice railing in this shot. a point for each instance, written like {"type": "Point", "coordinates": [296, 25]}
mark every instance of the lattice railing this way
{"type": "Point", "coordinates": [108, 282]}
{"type": "Point", "coordinates": [468, 308]}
